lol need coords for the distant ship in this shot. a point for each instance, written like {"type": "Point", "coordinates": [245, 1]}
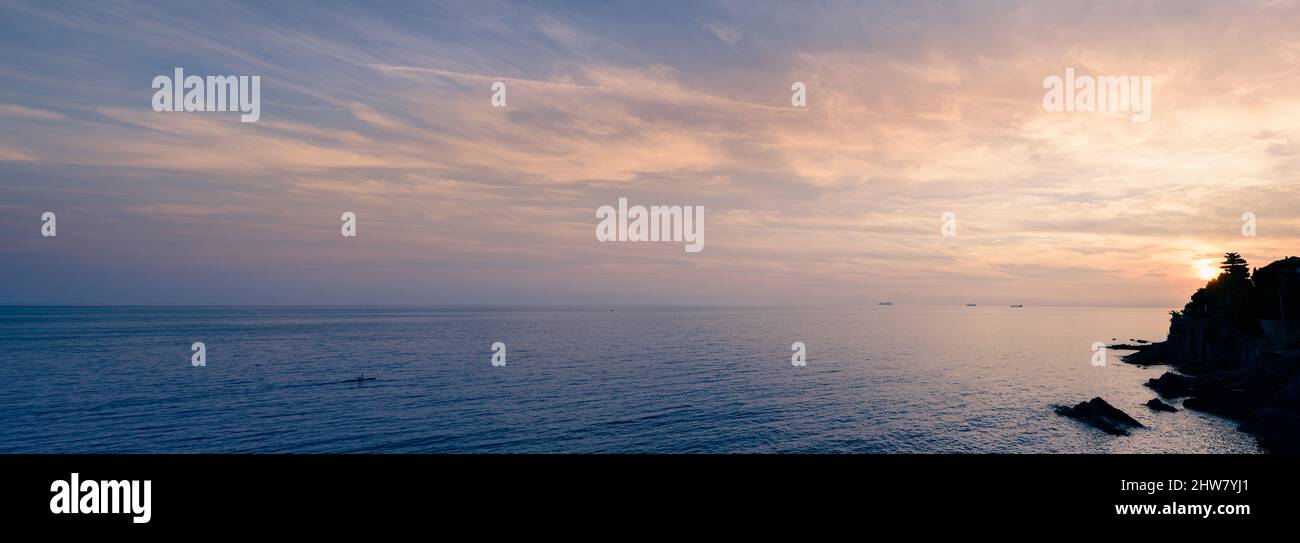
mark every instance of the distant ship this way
{"type": "Point", "coordinates": [1017, 305]}
{"type": "Point", "coordinates": [885, 303]}
{"type": "Point", "coordinates": [970, 305]}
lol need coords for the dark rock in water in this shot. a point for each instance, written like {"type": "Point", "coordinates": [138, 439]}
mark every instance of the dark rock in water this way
{"type": "Point", "coordinates": [1171, 385]}
{"type": "Point", "coordinates": [1147, 354]}
{"type": "Point", "coordinates": [1226, 393]}
{"type": "Point", "coordinates": [1100, 415]}
{"type": "Point", "coordinates": [1277, 429]}
{"type": "Point", "coordinates": [1156, 405]}
{"type": "Point", "coordinates": [1100, 406]}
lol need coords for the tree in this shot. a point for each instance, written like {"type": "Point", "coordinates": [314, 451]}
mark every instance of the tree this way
{"type": "Point", "coordinates": [1229, 294]}
{"type": "Point", "coordinates": [1236, 269]}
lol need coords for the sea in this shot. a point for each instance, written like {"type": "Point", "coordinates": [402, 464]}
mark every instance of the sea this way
{"type": "Point", "coordinates": [877, 379]}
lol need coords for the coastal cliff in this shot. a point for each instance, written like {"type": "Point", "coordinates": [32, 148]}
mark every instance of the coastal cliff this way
{"type": "Point", "coordinates": [1235, 349]}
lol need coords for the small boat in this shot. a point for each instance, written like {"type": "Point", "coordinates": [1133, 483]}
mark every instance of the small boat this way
{"type": "Point", "coordinates": [1017, 305]}
{"type": "Point", "coordinates": [885, 303]}
{"type": "Point", "coordinates": [970, 305]}
{"type": "Point", "coordinates": [359, 379]}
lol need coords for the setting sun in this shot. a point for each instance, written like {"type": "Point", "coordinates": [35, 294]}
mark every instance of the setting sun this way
{"type": "Point", "coordinates": [1206, 270]}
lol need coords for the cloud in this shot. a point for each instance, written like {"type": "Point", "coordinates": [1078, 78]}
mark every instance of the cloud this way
{"type": "Point", "coordinates": [15, 110]}
{"type": "Point", "coordinates": [644, 83]}
{"type": "Point", "coordinates": [724, 32]}
{"type": "Point", "coordinates": [912, 112]}
{"type": "Point", "coordinates": [488, 79]}
{"type": "Point", "coordinates": [181, 210]}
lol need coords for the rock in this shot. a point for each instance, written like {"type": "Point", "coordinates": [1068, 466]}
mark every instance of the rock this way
{"type": "Point", "coordinates": [1146, 355]}
{"type": "Point", "coordinates": [1277, 429]}
{"type": "Point", "coordinates": [1156, 405]}
{"type": "Point", "coordinates": [1171, 385]}
{"type": "Point", "coordinates": [1237, 405]}
{"type": "Point", "coordinates": [1101, 415]}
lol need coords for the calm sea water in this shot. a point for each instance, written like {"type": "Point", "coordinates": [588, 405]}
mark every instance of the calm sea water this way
{"type": "Point", "coordinates": [901, 379]}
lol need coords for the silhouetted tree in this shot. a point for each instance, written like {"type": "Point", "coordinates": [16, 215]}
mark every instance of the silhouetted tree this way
{"type": "Point", "coordinates": [1229, 295]}
{"type": "Point", "coordinates": [1246, 297]}
{"type": "Point", "coordinates": [1234, 266]}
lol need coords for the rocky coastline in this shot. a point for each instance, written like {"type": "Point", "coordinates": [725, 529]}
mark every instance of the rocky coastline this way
{"type": "Point", "coordinates": [1234, 351]}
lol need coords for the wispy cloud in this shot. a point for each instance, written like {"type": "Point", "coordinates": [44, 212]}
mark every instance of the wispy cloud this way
{"type": "Point", "coordinates": [725, 33]}
{"type": "Point", "coordinates": [912, 111]}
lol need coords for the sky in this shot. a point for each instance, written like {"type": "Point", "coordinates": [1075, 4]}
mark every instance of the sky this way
{"type": "Point", "coordinates": [913, 109]}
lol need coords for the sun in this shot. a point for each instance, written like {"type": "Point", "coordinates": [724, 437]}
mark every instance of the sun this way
{"type": "Point", "coordinates": [1205, 270]}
